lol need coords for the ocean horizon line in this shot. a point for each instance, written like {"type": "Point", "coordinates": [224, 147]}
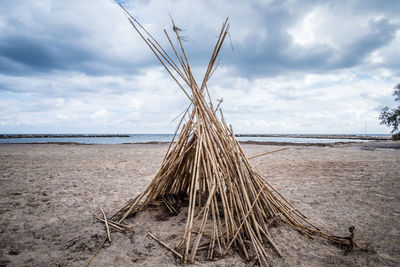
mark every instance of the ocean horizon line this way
{"type": "Point", "coordinates": [166, 138]}
{"type": "Point", "coordinates": [236, 134]}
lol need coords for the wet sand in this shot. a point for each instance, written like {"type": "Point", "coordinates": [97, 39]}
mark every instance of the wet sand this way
{"type": "Point", "coordinates": [49, 191]}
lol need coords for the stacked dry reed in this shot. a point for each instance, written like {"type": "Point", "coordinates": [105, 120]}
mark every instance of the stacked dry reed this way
{"type": "Point", "coordinates": [230, 204]}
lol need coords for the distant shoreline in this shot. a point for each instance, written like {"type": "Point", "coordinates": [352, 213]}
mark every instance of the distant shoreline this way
{"type": "Point", "coordinates": [319, 136]}
{"type": "Point", "coordinates": [10, 136]}
{"type": "Point", "coordinates": [314, 136]}
{"type": "Point", "coordinates": [367, 145]}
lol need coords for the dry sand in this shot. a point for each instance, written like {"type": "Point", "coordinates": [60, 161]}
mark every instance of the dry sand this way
{"type": "Point", "coordinates": [48, 191]}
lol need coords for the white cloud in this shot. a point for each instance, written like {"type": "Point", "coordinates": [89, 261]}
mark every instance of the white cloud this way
{"type": "Point", "coordinates": [306, 68]}
{"type": "Point", "coordinates": [334, 103]}
{"type": "Point", "coordinates": [303, 32]}
{"type": "Point", "coordinates": [62, 117]}
{"type": "Point", "coordinates": [149, 101]}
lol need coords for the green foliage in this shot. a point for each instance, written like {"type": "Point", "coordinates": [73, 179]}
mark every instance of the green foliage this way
{"type": "Point", "coordinates": [391, 117]}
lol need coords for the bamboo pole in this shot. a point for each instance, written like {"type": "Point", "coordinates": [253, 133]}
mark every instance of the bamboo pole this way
{"type": "Point", "coordinates": [165, 245]}
{"type": "Point", "coordinates": [207, 160]}
{"type": "Point", "coordinates": [266, 153]}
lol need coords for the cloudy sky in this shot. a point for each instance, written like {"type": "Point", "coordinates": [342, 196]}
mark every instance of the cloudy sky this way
{"type": "Point", "coordinates": [289, 66]}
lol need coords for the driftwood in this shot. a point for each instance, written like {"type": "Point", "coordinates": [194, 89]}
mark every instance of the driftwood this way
{"type": "Point", "coordinates": [230, 205]}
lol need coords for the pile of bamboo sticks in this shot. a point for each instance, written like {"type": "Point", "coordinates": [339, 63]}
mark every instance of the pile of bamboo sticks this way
{"type": "Point", "coordinates": [230, 204]}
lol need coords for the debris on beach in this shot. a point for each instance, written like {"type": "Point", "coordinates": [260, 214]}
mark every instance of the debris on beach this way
{"type": "Point", "coordinates": [229, 204]}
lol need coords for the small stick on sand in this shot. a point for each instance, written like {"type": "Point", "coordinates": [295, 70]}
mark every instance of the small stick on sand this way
{"type": "Point", "coordinates": [117, 226]}
{"type": "Point", "coordinates": [106, 223]}
{"type": "Point", "coordinates": [95, 253]}
{"type": "Point", "coordinates": [165, 245]}
{"type": "Point", "coordinates": [265, 153]}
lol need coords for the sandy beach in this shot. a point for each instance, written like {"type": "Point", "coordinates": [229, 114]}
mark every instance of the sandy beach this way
{"type": "Point", "coordinates": [48, 193]}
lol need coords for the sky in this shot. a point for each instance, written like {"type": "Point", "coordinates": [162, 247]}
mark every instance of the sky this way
{"type": "Point", "coordinates": [317, 67]}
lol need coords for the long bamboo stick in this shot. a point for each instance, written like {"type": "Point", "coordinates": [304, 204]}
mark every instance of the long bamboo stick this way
{"type": "Point", "coordinates": [165, 245]}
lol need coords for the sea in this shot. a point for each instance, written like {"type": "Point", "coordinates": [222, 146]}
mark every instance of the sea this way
{"type": "Point", "coordinates": [149, 138]}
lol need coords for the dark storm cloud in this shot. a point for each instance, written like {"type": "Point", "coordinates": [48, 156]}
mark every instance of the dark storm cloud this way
{"type": "Point", "coordinates": [27, 54]}
{"type": "Point", "coordinates": [278, 53]}
{"type": "Point", "coordinates": [381, 33]}
{"type": "Point", "coordinates": [266, 48]}
{"type": "Point", "coordinates": [39, 39]}
{"type": "Point", "coordinates": [367, 6]}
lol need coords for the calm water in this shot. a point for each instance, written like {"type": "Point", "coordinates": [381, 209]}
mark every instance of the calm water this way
{"type": "Point", "coordinates": [144, 138]}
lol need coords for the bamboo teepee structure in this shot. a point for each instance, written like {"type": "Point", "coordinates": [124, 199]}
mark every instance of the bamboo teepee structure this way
{"type": "Point", "coordinates": [228, 199]}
